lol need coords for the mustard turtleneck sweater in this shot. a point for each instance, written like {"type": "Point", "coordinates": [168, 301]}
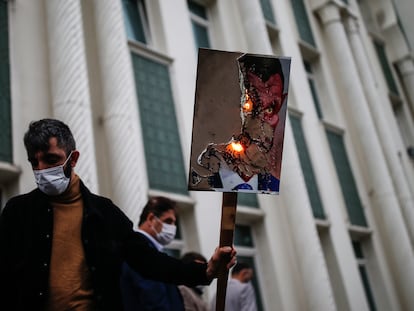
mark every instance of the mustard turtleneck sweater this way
{"type": "Point", "coordinates": [69, 282]}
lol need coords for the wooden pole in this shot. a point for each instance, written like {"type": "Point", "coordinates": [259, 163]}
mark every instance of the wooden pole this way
{"type": "Point", "coordinates": [228, 221]}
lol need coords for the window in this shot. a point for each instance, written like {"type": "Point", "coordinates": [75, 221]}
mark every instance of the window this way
{"type": "Point", "coordinates": [163, 153]}
{"type": "Point", "coordinates": [307, 169]}
{"type": "Point", "coordinates": [267, 10]}
{"type": "Point", "coordinates": [247, 199]}
{"type": "Point", "coordinates": [302, 22]}
{"type": "Point", "coordinates": [386, 69]}
{"type": "Point", "coordinates": [243, 239]}
{"type": "Point", "coordinates": [346, 179]}
{"type": "Point", "coordinates": [136, 20]}
{"type": "Point", "coordinates": [199, 21]}
{"type": "Point", "coordinates": [5, 97]}
{"type": "Point", "coordinates": [363, 272]}
{"type": "Point", "coordinates": [311, 80]}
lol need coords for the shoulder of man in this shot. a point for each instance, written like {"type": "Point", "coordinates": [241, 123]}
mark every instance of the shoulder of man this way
{"type": "Point", "coordinates": [23, 201]}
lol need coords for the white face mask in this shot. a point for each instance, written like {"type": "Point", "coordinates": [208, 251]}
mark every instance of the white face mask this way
{"type": "Point", "coordinates": [167, 233]}
{"type": "Point", "coordinates": [52, 181]}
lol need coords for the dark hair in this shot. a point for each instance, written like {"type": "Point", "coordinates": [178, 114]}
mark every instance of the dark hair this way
{"type": "Point", "coordinates": [193, 256]}
{"type": "Point", "coordinates": [262, 66]}
{"type": "Point", "coordinates": [39, 133]}
{"type": "Point", "coordinates": [239, 266]}
{"type": "Point", "coordinates": [157, 206]}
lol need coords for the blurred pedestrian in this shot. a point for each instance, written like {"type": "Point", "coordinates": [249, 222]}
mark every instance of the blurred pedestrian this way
{"type": "Point", "coordinates": [157, 227]}
{"type": "Point", "coordinates": [193, 296]}
{"type": "Point", "coordinates": [240, 295]}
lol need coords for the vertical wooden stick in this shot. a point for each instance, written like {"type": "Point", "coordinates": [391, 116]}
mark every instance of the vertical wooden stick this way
{"type": "Point", "coordinates": [228, 220]}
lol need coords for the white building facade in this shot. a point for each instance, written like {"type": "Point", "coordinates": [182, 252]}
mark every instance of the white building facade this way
{"type": "Point", "coordinates": [121, 74]}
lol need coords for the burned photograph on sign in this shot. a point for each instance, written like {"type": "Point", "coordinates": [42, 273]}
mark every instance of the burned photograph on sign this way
{"type": "Point", "coordinates": [239, 118]}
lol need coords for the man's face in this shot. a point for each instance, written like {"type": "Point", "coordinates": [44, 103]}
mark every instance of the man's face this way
{"type": "Point", "coordinates": [260, 109]}
{"type": "Point", "coordinates": [246, 275]}
{"type": "Point", "coordinates": [167, 217]}
{"type": "Point", "coordinates": [53, 157]}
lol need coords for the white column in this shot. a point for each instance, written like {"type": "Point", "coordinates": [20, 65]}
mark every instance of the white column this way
{"type": "Point", "coordinates": [69, 79]}
{"type": "Point", "coordinates": [335, 240]}
{"type": "Point", "coordinates": [315, 281]}
{"type": "Point", "coordinates": [313, 270]}
{"type": "Point", "coordinates": [384, 125]}
{"type": "Point", "coordinates": [121, 116]}
{"type": "Point", "coordinates": [254, 27]}
{"type": "Point", "coordinates": [385, 205]}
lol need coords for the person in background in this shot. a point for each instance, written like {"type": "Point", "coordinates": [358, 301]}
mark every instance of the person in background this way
{"type": "Point", "coordinates": [240, 295]}
{"type": "Point", "coordinates": [193, 296]}
{"type": "Point", "coordinates": [61, 246]}
{"type": "Point", "coordinates": [157, 227]}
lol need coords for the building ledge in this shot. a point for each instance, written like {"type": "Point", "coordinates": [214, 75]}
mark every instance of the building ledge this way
{"type": "Point", "coordinates": [248, 214]}
{"type": "Point", "coordinates": [358, 232]}
{"type": "Point", "coordinates": [8, 172]}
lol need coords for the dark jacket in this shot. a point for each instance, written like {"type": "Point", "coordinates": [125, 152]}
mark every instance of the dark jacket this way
{"type": "Point", "coordinates": [139, 293]}
{"type": "Point", "coordinates": [26, 233]}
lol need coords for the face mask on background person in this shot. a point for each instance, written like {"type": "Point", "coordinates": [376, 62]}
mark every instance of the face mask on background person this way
{"type": "Point", "coordinates": [167, 233]}
{"type": "Point", "coordinates": [52, 181]}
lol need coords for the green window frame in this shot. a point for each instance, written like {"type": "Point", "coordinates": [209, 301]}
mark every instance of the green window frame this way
{"type": "Point", "coordinates": [346, 179]}
{"type": "Point", "coordinates": [6, 149]}
{"type": "Point", "coordinates": [307, 168]}
{"type": "Point", "coordinates": [267, 10]}
{"type": "Point", "coordinates": [135, 20]}
{"type": "Point", "coordinates": [200, 24]}
{"type": "Point", "coordinates": [312, 86]}
{"type": "Point", "coordinates": [364, 274]}
{"type": "Point", "coordinates": [302, 22]}
{"type": "Point", "coordinates": [386, 69]}
{"type": "Point", "coordinates": [247, 199]}
{"type": "Point", "coordinates": [163, 153]}
{"type": "Point", "coordinates": [243, 238]}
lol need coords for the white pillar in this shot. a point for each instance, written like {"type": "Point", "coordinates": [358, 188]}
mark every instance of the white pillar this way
{"type": "Point", "coordinates": [315, 281]}
{"type": "Point", "coordinates": [385, 205]}
{"type": "Point", "coordinates": [69, 79]}
{"type": "Point", "coordinates": [121, 116]}
{"type": "Point", "coordinates": [254, 27]}
{"type": "Point", "coordinates": [383, 126]}
{"type": "Point", "coordinates": [313, 270]}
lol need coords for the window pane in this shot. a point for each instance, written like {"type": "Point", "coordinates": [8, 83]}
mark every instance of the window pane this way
{"type": "Point", "coordinates": [306, 165]}
{"type": "Point", "coordinates": [134, 20]}
{"type": "Point", "coordinates": [346, 180]}
{"type": "Point", "coordinates": [248, 199]}
{"type": "Point", "coordinates": [382, 56]}
{"type": "Point", "coordinates": [5, 99]}
{"type": "Point", "coordinates": [357, 250]}
{"type": "Point", "coordinates": [197, 9]}
{"type": "Point", "coordinates": [165, 166]}
{"type": "Point", "coordinates": [267, 11]}
{"type": "Point", "coordinates": [201, 36]}
{"type": "Point", "coordinates": [302, 22]}
{"type": "Point", "coordinates": [200, 28]}
{"type": "Point", "coordinates": [243, 236]}
{"type": "Point", "coordinates": [315, 98]}
{"type": "Point", "coordinates": [308, 68]}
{"type": "Point", "coordinates": [367, 288]}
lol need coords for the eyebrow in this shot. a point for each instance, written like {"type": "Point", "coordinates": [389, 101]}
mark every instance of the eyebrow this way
{"type": "Point", "coordinates": [170, 219]}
